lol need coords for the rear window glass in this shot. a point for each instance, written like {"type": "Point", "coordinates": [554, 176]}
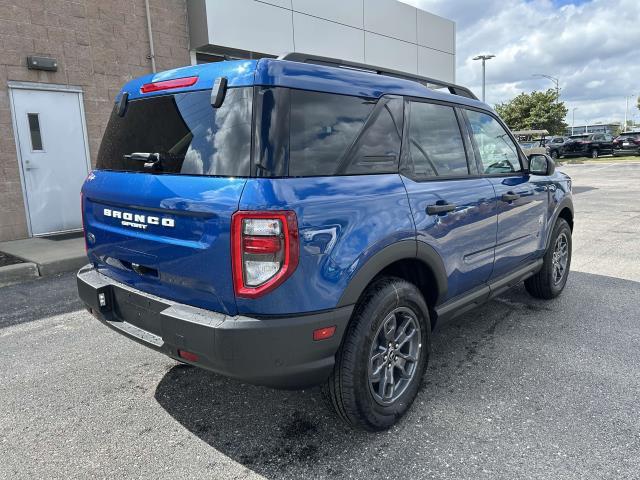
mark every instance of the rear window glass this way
{"type": "Point", "coordinates": [181, 134]}
{"type": "Point", "coordinates": [323, 127]}
{"type": "Point", "coordinates": [435, 143]}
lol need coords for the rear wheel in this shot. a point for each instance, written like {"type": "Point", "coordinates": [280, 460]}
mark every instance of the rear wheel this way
{"type": "Point", "coordinates": [550, 280]}
{"type": "Point", "coordinates": [595, 153]}
{"type": "Point", "coordinates": [383, 356]}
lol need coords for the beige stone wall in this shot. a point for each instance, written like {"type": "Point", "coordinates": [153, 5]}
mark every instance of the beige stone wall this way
{"type": "Point", "coordinates": [99, 45]}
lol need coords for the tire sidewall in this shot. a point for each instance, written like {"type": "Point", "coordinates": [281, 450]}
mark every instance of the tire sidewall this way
{"type": "Point", "coordinates": [397, 294]}
{"type": "Point", "coordinates": [560, 227]}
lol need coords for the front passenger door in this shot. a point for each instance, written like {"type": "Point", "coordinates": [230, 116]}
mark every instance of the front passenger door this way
{"type": "Point", "coordinates": [522, 199]}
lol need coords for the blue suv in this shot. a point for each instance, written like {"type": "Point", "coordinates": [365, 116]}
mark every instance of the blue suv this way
{"type": "Point", "coordinates": [303, 221]}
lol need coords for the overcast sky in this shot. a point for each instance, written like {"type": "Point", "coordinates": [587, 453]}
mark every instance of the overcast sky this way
{"type": "Point", "coordinates": [593, 47]}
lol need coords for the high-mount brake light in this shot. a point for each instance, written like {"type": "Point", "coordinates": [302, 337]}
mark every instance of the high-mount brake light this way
{"type": "Point", "coordinates": [168, 84]}
{"type": "Point", "coordinates": [265, 250]}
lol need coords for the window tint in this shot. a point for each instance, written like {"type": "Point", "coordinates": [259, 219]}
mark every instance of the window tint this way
{"type": "Point", "coordinates": [323, 127]}
{"type": "Point", "coordinates": [184, 132]}
{"type": "Point", "coordinates": [497, 151]}
{"type": "Point", "coordinates": [435, 143]}
{"type": "Point", "coordinates": [34, 130]}
{"type": "Point", "coordinates": [378, 148]}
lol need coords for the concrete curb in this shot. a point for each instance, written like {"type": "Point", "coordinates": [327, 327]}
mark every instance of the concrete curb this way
{"type": "Point", "coordinates": [62, 265]}
{"type": "Point", "coordinates": [49, 257]}
{"type": "Point", "coordinates": [20, 272]}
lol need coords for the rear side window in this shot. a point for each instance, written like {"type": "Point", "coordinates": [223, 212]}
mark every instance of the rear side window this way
{"type": "Point", "coordinates": [435, 142]}
{"type": "Point", "coordinates": [181, 134]}
{"type": "Point", "coordinates": [323, 127]}
{"type": "Point", "coordinates": [377, 149]}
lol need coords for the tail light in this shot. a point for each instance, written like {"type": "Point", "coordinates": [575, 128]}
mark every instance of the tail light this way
{"type": "Point", "coordinates": [264, 250]}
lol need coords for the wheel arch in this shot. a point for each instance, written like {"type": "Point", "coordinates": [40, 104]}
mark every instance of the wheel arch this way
{"type": "Point", "coordinates": [412, 260]}
{"type": "Point", "coordinates": [564, 211]}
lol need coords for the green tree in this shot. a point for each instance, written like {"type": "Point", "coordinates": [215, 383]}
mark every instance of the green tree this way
{"type": "Point", "coordinates": [534, 111]}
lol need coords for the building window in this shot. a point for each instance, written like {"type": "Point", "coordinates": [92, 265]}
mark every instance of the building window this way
{"type": "Point", "coordinates": [34, 129]}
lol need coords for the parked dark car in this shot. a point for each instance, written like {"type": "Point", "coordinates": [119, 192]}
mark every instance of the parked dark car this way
{"type": "Point", "coordinates": [554, 146]}
{"type": "Point", "coordinates": [627, 143]}
{"type": "Point", "coordinates": [588, 145]}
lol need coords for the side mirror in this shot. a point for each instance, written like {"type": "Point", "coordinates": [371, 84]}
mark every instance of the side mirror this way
{"type": "Point", "coordinates": [541, 165]}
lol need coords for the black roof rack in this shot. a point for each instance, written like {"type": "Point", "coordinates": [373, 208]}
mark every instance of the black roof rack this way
{"type": "Point", "coordinates": [336, 62]}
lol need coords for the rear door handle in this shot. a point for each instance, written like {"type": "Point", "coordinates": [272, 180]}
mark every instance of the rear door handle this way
{"type": "Point", "coordinates": [510, 197]}
{"type": "Point", "coordinates": [440, 208]}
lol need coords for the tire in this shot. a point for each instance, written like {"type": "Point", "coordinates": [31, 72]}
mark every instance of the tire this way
{"type": "Point", "coordinates": [351, 390]}
{"type": "Point", "coordinates": [555, 155]}
{"type": "Point", "coordinates": [547, 284]}
{"type": "Point", "coordinates": [594, 153]}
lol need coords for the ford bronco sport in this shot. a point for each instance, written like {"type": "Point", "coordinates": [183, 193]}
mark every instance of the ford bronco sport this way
{"type": "Point", "coordinates": [302, 221]}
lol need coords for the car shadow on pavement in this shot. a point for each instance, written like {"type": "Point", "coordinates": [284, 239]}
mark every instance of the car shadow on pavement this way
{"type": "Point", "coordinates": [38, 299]}
{"type": "Point", "coordinates": [291, 434]}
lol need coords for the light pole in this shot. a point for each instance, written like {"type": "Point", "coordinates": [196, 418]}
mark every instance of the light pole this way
{"type": "Point", "coordinates": [626, 111]}
{"type": "Point", "coordinates": [484, 58]}
{"type": "Point", "coordinates": [555, 80]}
{"type": "Point", "coordinates": [573, 119]}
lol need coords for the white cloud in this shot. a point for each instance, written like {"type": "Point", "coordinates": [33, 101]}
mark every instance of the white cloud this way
{"type": "Point", "coordinates": [592, 47]}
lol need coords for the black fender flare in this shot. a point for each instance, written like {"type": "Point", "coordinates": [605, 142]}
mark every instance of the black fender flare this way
{"type": "Point", "coordinates": [566, 202]}
{"type": "Point", "coordinates": [402, 250]}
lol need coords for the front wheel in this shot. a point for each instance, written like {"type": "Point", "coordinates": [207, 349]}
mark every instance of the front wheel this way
{"type": "Point", "coordinates": [550, 280]}
{"type": "Point", "coordinates": [383, 356]}
{"type": "Point", "coordinates": [555, 155]}
{"type": "Point", "coordinates": [594, 153]}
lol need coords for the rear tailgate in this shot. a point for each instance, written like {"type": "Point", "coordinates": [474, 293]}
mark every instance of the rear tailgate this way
{"type": "Point", "coordinates": [164, 234]}
{"type": "Point", "coordinates": [157, 211]}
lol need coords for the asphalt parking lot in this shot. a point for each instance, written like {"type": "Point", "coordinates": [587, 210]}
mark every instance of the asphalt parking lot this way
{"type": "Point", "coordinates": [520, 388]}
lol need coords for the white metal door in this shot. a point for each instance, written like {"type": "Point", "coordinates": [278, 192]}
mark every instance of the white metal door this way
{"type": "Point", "coordinates": [52, 149]}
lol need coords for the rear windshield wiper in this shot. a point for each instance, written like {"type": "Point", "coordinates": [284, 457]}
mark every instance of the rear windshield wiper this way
{"type": "Point", "coordinates": [152, 161]}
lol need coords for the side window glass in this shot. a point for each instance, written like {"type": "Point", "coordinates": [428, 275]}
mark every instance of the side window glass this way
{"type": "Point", "coordinates": [378, 148]}
{"type": "Point", "coordinates": [323, 127]}
{"type": "Point", "coordinates": [435, 143]}
{"type": "Point", "coordinates": [497, 151]}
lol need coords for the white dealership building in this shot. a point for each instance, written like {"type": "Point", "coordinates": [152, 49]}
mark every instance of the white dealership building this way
{"type": "Point", "coordinates": [385, 33]}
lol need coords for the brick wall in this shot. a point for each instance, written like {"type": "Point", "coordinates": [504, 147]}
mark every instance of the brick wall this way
{"type": "Point", "coordinates": [99, 45]}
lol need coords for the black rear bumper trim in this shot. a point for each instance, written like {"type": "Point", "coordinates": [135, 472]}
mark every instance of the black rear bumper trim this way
{"type": "Point", "coordinates": [275, 352]}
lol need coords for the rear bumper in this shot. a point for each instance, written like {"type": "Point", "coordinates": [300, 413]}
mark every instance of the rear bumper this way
{"type": "Point", "coordinates": [275, 352]}
{"type": "Point", "coordinates": [618, 152]}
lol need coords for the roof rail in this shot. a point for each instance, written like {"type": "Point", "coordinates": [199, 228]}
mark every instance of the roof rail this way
{"type": "Point", "coordinates": [336, 62]}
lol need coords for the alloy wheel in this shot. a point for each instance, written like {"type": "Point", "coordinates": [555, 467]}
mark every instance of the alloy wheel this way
{"type": "Point", "coordinates": [560, 258]}
{"type": "Point", "coordinates": [394, 355]}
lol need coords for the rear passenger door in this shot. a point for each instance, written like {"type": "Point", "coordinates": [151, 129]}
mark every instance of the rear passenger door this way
{"type": "Point", "coordinates": [522, 199]}
{"type": "Point", "coordinates": [454, 210]}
